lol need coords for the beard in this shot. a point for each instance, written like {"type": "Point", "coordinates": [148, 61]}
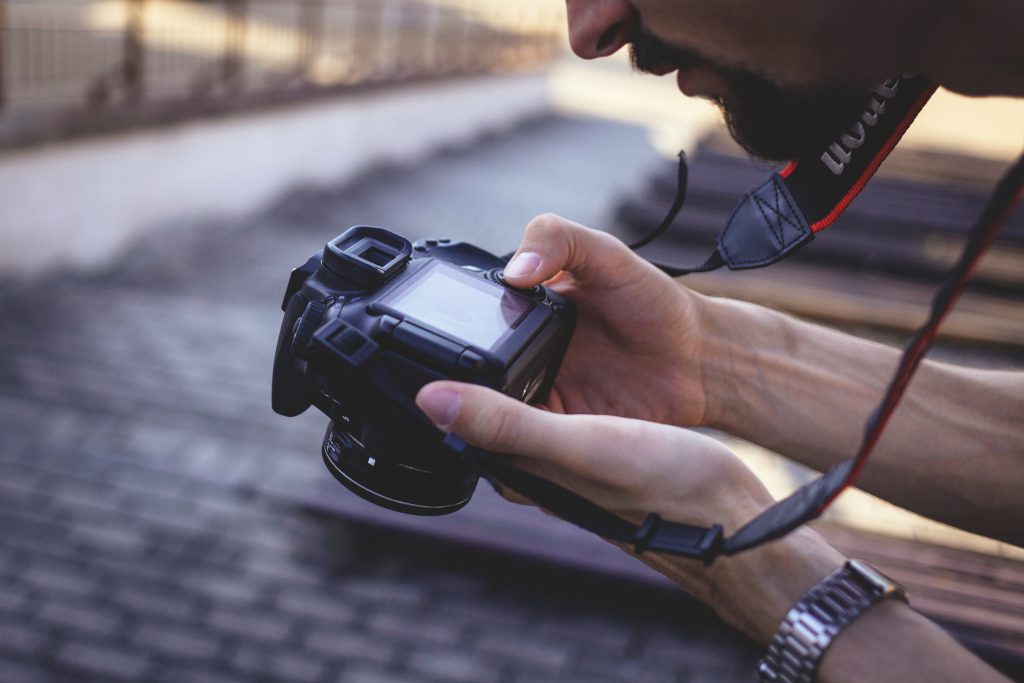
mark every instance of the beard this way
{"type": "Point", "coordinates": [768, 121]}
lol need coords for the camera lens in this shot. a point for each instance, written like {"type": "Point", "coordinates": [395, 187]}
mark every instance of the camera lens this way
{"type": "Point", "coordinates": [376, 468]}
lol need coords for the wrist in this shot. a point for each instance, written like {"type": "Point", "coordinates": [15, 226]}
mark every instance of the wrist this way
{"type": "Point", "coordinates": [730, 348]}
{"type": "Point", "coordinates": [755, 589]}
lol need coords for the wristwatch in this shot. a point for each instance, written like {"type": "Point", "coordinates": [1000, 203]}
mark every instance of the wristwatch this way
{"type": "Point", "coordinates": [814, 622]}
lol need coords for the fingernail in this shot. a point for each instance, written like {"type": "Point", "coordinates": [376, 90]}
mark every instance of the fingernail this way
{"type": "Point", "coordinates": [441, 406]}
{"type": "Point", "coordinates": [522, 265]}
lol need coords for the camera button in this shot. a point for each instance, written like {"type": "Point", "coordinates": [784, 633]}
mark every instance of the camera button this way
{"type": "Point", "coordinates": [498, 276]}
{"type": "Point", "coordinates": [387, 324]}
{"type": "Point", "coordinates": [305, 327]}
{"type": "Point", "coordinates": [471, 360]}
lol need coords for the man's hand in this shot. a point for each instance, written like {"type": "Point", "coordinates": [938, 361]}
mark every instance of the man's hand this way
{"type": "Point", "coordinates": [635, 350]}
{"type": "Point", "coordinates": [627, 466]}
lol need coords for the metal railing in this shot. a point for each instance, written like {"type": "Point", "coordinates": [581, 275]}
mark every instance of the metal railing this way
{"type": "Point", "coordinates": [74, 65]}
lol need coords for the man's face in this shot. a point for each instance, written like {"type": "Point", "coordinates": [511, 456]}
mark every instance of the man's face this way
{"type": "Point", "coordinates": [768, 120]}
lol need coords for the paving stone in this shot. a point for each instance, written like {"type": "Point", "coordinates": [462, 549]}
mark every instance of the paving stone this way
{"type": "Point", "coordinates": [79, 617]}
{"type": "Point", "coordinates": [613, 636]}
{"type": "Point", "coordinates": [279, 666]}
{"type": "Point", "coordinates": [284, 572]}
{"type": "Point", "coordinates": [22, 637]}
{"type": "Point", "coordinates": [26, 672]}
{"type": "Point", "coordinates": [422, 628]}
{"type": "Point", "coordinates": [21, 477]}
{"type": "Point", "coordinates": [221, 589]}
{"type": "Point", "coordinates": [641, 671]}
{"type": "Point", "coordinates": [12, 600]}
{"type": "Point", "coordinates": [348, 646]}
{"type": "Point", "coordinates": [191, 674]}
{"type": "Point", "coordinates": [296, 668]}
{"type": "Point", "coordinates": [106, 661]}
{"type": "Point", "coordinates": [132, 570]}
{"type": "Point", "coordinates": [483, 613]}
{"type": "Point", "coordinates": [316, 606]}
{"type": "Point", "coordinates": [179, 642]}
{"type": "Point", "coordinates": [251, 625]}
{"type": "Point", "coordinates": [382, 592]}
{"type": "Point", "coordinates": [362, 674]}
{"type": "Point", "coordinates": [151, 604]}
{"type": "Point", "coordinates": [61, 578]}
{"type": "Point", "coordinates": [533, 676]}
{"type": "Point", "coordinates": [119, 536]}
{"type": "Point", "coordinates": [526, 649]}
{"type": "Point", "coordinates": [452, 665]}
{"type": "Point", "coordinates": [76, 489]}
{"type": "Point", "coordinates": [30, 523]}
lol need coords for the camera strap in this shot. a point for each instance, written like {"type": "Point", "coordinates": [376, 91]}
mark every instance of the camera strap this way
{"type": "Point", "coordinates": [653, 535]}
{"type": "Point", "coordinates": [788, 209]}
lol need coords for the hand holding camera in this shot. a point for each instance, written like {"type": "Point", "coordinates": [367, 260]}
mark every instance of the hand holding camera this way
{"type": "Point", "coordinates": [636, 349]}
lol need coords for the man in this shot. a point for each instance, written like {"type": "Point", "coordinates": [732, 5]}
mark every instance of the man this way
{"type": "Point", "coordinates": [650, 356]}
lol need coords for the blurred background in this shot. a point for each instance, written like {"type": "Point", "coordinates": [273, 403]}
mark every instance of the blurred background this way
{"type": "Point", "coordinates": [163, 166]}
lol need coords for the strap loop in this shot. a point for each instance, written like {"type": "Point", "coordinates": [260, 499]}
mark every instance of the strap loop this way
{"type": "Point", "coordinates": [642, 537]}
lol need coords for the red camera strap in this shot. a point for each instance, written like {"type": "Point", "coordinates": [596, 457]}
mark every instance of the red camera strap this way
{"type": "Point", "coordinates": [786, 211]}
{"type": "Point", "coordinates": [824, 187]}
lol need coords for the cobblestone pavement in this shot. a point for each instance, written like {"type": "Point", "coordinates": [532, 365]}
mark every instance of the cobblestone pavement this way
{"type": "Point", "coordinates": [152, 526]}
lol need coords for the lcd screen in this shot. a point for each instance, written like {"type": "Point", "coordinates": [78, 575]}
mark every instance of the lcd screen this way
{"type": "Point", "coordinates": [461, 305]}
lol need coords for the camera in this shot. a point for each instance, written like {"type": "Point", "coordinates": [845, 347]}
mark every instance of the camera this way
{"type": "Point", "coordinates": [372, 318]}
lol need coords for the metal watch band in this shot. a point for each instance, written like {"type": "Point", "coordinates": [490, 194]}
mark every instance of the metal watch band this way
{"type": "Point", "coordinates": [817, 618]}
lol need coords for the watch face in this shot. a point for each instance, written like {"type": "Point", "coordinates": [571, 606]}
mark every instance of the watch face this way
{"type": "Point", "coordinates": [461, 305]}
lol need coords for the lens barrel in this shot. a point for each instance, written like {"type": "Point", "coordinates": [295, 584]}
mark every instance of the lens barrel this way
{"type": "Point", "coordinates": [436, 485]}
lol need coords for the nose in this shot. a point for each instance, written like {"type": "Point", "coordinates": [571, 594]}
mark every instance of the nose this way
{"type": "Point", "coordinates": [598, 28]}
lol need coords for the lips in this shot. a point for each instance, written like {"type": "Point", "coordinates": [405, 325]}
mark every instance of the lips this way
{"type": "Point", "coordinates": [686, 77]}
{"type": "Point", "coordinates": [684, 81]}
{"type": "Point", "coordinates": [660, 70]}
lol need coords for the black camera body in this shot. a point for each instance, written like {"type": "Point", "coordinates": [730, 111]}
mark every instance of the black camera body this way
{"type": "Point", "coordinates": [371, 319]}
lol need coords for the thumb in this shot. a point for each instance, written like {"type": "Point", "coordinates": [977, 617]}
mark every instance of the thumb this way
{"type": "Point", "coordinates": [488, 419]}
{"type": "Point", "coordinates": [552, 244]}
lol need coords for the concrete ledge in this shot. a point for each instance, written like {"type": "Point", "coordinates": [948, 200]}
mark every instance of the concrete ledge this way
{"type": "Point", "coordinates": [79, 204]}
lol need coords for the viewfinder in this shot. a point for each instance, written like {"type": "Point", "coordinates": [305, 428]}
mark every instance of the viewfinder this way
{"type": "Point", "coordinates": [377, 256]}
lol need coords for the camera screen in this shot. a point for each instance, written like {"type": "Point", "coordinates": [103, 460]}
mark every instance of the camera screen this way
{"type": "Point", "coordinates": [464, 306]}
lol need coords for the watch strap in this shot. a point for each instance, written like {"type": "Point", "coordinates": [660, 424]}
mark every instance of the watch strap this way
{"type": "Point", "coordinates": [811, 625]}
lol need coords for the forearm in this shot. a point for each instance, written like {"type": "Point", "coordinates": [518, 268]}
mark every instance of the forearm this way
{"type": "Point", "coordinates": [889, 642]}
{"type": "Point", "coordinates": [953, 450]}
